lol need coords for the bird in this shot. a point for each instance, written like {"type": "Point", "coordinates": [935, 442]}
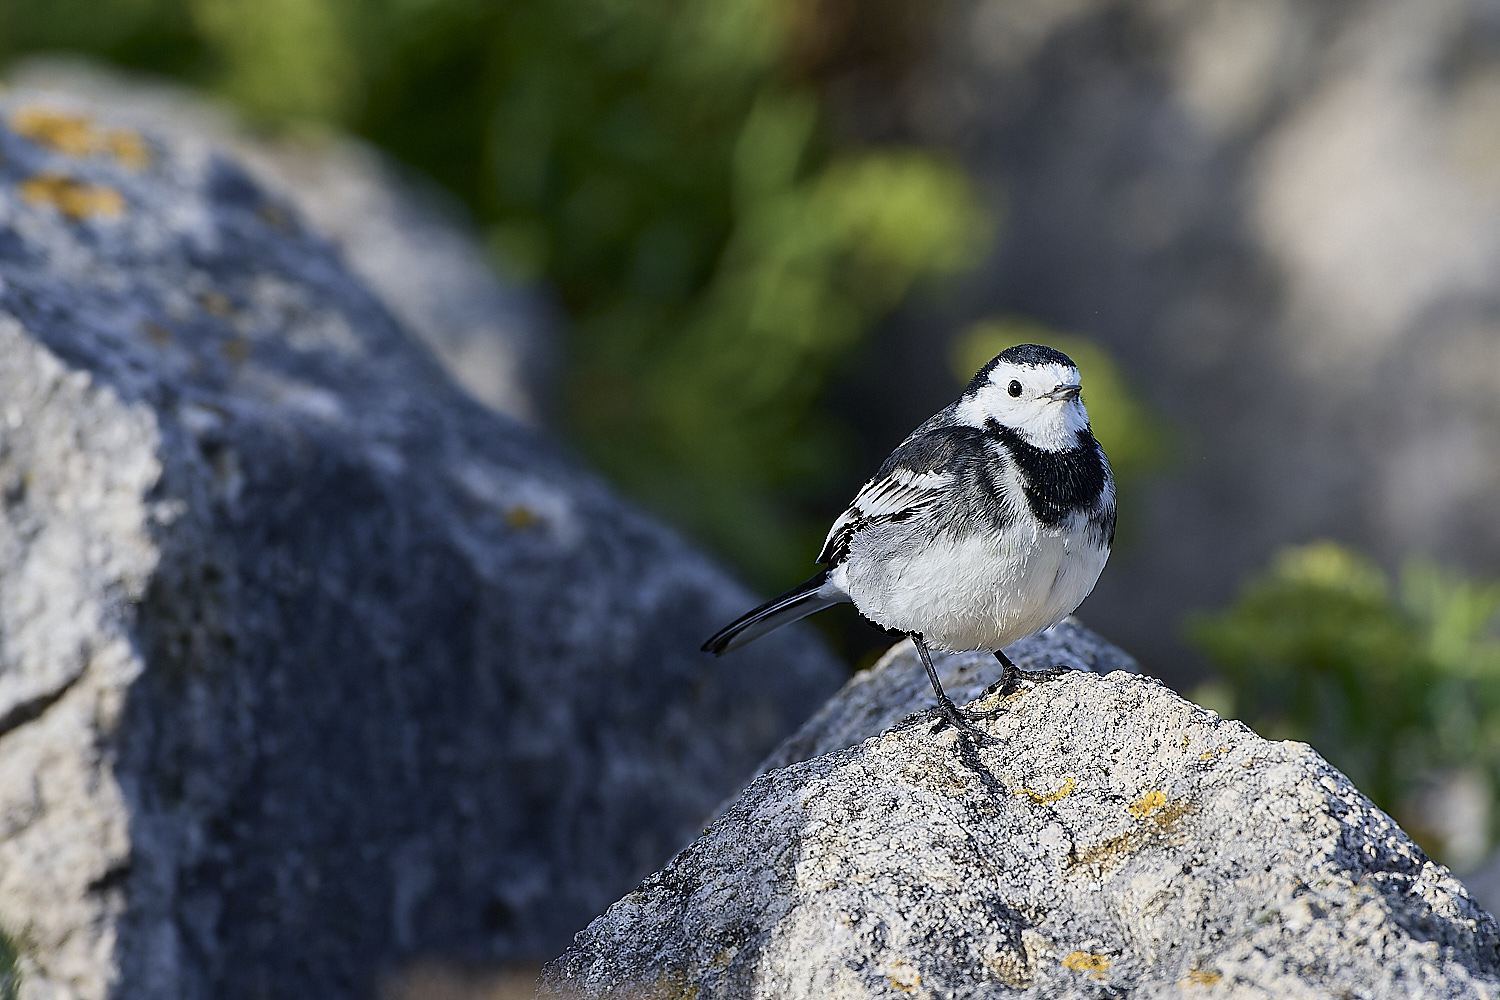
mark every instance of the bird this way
{"type": "Point", "coordinates": [990, 522]}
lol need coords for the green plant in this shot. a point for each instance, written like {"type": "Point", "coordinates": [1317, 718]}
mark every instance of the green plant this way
{"type": "Point", "coordinates": [10, 967]}
{"type": "Point", "coordinates": [718, 254]}
{"type": "Point", "coordinates": [1397, 685]}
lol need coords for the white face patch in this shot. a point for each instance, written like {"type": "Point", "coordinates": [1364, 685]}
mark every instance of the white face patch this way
{"type": "Point", "coordinates": [1049, 424]}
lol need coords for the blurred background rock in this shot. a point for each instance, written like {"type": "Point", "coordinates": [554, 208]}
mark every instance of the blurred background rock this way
{"type": "Point", "coordinates": [774, 236]}
{"type": "Point", "coordinates": [310, 665]}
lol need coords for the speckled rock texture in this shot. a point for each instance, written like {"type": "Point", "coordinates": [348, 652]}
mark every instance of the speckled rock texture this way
{"type": "Point", "coordinates": [875, 700]}
{"type": "Point", "coordinates": [1110, 840]}
{"type": "Point", "coordinates": [402, 238]}
{"type": "Point", "coordinates": [309, 662]}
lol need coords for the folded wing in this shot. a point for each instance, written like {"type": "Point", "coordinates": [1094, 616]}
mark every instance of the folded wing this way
{"type": "Point", "coordinates": [899, 492]}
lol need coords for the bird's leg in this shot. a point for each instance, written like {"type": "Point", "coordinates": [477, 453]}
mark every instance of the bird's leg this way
{"type": "Point", "coordinates": [1008, 677]}
{"type": "Point", "coordinates": [1011, 677]}
{"type": "Point", "coordinates": [1010, 681]}
{"type": "Point", "coordinates": [945, 706]}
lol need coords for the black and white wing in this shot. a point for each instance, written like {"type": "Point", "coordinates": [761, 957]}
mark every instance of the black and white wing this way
{"type": "Point", "coordinates": [924, 472]}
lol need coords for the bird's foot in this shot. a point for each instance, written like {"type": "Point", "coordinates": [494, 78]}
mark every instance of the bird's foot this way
{"type": "Point", "coordinates": [1010, 682]}
{"type": "Point", "coordinates": [1051, 673]}
{"type": "Point", "coordinates": [948, 714]}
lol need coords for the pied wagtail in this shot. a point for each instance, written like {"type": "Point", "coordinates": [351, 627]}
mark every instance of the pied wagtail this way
{"type": "Point", "coordinates": [989, 523]}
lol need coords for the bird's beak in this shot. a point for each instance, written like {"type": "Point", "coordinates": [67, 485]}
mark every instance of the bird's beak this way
{"type": "Point", "coordinates": [1065, 392]}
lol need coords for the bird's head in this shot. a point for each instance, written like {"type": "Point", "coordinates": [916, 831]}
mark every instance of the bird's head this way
{"type": "Point", "coordinates": [1031, 389]}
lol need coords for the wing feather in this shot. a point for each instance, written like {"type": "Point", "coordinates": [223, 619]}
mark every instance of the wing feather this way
{"type": "Point", "coordinates": [929, 468]}
{"type": "Point", "coordinates": [898, 495]}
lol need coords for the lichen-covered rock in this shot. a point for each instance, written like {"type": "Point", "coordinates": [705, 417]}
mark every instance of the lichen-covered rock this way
{"type": "Point", "coordinates": [875, 700]}
{"type": "Point", "coordinates": [1111, 840]}
{"type": "Point", "coordinates": [309, 662]}
{"type": "Point", "coordinates": [420, 257]}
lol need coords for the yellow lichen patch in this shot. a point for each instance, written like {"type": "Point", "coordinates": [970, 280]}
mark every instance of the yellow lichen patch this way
{"type": "Point", "coordinates": [1047, 798]}
{"type": "Point", "coordinates": [72, 198]}
{"type": "Point", "coordinates": [1202, 977]}
{"type": "Point", "coordinates": [672, 984]}
{"type": "Point", "coordinates": [71, 135]}
{"type": "Point", "coordinates": [1013, 966]}
{"type": "Point", "coordinates": [1147, 804]}
{"type": "Point", "coordinates": [76, 135]}
{"type": "Point", "coordinates": [129, 148]}
{"type": "Point", "coordinates": [951, 782]}
{"type": "Point", "coordinates": [1083, 961]}
{"type": "Point", "coordinates": [521, 518]}
{"type": "Point", "coordinates": [216, 304]}
{"type": "Point", "coordinates": [1211, 754]}
{"type": "Point", "coordinates": [904, 976]}
{"type": "Point", "coordinates": [235, 350]}
{"type": "Point", "coordinates": [1156, 826]}
{"type": "Point", "coordinates": [159, 335]}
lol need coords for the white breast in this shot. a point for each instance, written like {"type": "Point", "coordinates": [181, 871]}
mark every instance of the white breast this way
{"type": "Point", "coordinates": [979, 590]}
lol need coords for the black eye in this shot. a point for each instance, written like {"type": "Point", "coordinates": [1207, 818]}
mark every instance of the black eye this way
{"type": "Point", "coordinates": [1014, 388]}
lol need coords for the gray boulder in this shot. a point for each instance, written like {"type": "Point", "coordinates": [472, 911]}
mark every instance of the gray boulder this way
{"type": "Point", "coordinates": [1111, 840]}
{"type": "Point", "coordinates": [401, 237]}
{"type": "Point", "coordinates": [309, 662]}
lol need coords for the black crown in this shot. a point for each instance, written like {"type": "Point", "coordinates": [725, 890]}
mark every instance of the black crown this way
{"type": "Point", "coordinates": [1034, 355]}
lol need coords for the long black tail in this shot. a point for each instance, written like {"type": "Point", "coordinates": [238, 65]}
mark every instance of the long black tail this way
{"type": "Point", "coordinates": [799, 602]}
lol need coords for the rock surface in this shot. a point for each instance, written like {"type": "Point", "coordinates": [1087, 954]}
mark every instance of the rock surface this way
{"type": "Point", "coordinates": [309, 662]}
{"type": "Point", "coordinates": [1112, 840]}
{"type": "Point", "coordinates": [400, 237]}
{"type": "Point", "coordinates": [875, 700]}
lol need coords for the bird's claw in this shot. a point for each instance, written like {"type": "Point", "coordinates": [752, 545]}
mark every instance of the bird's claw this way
{"type": "Point", "coordinates": [1010, 683]}
{"type": "Point", "coordinates": [947, 714]}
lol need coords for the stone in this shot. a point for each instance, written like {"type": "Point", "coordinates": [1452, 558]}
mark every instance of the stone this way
{"type": "Point", "coordinates": [310, 663]}
{"type": "Point", "coordinates": [1109, 839]}
{"type": "Point", "coordinates": [407, 240]}
{"type": "Point", "coordinates": [875, 700]}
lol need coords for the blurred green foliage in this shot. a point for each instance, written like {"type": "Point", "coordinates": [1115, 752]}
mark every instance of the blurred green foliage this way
{"type": "Point", "coordinates": [1398, 685]}
{"type": "Point", "coordinates": [10, 966]}
{"type": "Point", "coordinates": [1136, 439]}
{"type": "Point", "coordinates": [666, 166]}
